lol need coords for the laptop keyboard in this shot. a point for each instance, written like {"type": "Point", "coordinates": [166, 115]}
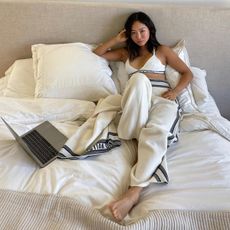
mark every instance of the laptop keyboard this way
{"type": "Point", "coordinates": [40, 146]}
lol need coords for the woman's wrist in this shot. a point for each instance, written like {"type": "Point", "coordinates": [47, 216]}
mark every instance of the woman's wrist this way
{"type": "Point", "coordinates": [103, 47]}
{"type": "Point", "coordinates": [176, 91]}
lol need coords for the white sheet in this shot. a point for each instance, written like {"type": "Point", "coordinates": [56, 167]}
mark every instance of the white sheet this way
{"type": "Point", "coordinates": [92, 181]}
{"type": "Point", "coordinates": [27, 110]}
{"type": "Point", "coordinates": [199, 164]}
{"type": "Point", "coordinates": [199, 167]}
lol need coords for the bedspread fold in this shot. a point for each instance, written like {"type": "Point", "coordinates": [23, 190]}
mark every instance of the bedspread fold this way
{"type": "Point", "coordinates": [200, 121]}
{"type": "Point", "coordinates": [98, 134]}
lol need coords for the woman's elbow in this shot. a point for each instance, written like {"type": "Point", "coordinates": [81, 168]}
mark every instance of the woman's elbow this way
{"type": "Point", "coordinates": [97, 51]}
{"type": "Point", "coordinates": [190, 75]}
{"type": "Point", "coordinates": [187, 74]}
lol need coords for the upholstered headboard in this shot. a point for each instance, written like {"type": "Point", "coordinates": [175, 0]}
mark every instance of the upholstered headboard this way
{"type": "Point", "coordinates": [206, 31]}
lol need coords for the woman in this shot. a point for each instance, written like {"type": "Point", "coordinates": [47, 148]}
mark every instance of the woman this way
{"type": "Point", "coordinates": [148, 101]}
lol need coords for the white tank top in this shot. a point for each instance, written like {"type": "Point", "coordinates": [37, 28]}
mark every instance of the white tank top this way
{"type": "Point", "coordinates": [153, 65]}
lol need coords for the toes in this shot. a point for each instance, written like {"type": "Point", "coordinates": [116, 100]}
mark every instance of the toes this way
{"type": "Point", "coordinates": [117, 215]}
{"type": "Point", "coordinates": [115, 212]}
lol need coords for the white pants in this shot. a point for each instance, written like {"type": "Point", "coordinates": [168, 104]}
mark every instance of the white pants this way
{"type": "Point", "coordinates": [147, 117]}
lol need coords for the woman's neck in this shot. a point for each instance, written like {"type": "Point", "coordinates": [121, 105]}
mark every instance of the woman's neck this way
{"type": "Point", "coordinates": [143, 51]}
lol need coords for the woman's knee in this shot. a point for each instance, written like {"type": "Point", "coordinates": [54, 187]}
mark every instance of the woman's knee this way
{"type": "Point", "coordinates": [139, 80]}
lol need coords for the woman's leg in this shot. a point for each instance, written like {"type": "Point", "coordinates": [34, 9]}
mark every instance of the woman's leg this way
{"type": "Point", "coordinates": [136, 103]}
{"type": "Point", "coordinates": [151, 128]}
{"type": "Point", "coordinates": [153, 141]}
{"type": "Point", "coordinates": [152, 147]}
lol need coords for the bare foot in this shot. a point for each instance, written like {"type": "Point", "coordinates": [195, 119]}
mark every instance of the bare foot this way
{"type": "Point", "coordinates": [121, 207]}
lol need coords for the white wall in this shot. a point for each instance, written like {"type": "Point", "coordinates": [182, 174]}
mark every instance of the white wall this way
{"type": "Point", "coordinates": [193, 2]}
{"type": "Point", "coordinates": [171, 2]}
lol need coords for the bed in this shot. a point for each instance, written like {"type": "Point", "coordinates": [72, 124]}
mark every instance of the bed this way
{"type": "Point", "coordinates": [73, 193]}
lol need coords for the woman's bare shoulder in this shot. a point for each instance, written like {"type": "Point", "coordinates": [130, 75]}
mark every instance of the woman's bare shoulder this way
{"type": "Point", "coordinates": [164, 49]}
{"type": "Point", "coordinates": [166, 52]}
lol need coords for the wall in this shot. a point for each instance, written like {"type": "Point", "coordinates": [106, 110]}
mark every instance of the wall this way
{"type": "Point", "coordinates": [172, 2]}
{"type": "Point", "coordinates": [193, 2]}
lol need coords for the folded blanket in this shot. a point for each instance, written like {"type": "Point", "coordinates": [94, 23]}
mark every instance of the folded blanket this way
{"type": "Point", "coordinates": [98, 134]}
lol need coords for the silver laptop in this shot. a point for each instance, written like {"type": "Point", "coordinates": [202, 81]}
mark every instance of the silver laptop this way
{"type": "Point", "coordinates": [42, 143]}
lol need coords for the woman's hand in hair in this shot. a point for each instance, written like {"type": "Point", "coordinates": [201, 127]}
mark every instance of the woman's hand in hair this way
{"type": "Point", "coordinates": [121, 36]}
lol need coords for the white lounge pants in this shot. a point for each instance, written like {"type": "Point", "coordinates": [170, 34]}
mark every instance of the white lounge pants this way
{"type": "Point", "coordinates": [147, 117]}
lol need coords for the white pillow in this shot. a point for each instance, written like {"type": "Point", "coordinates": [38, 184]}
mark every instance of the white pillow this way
{"type": "Point", "coordinates": [114, 67]}
{"type": "Point", "coordinates": [120, 75]}
{"type": "Point", "coordinates": [21, 79]}
{"type": "Point", "coordinates": [182, 52]}
{"type": "Point", "coordinates": [204, 100]}
{"type": "Point", "coordinates": [71, 70]}
{"type": "Point", "coordinates": [185, 98]}
{"type": "Point", "coordinates": [195, 97]}
{"type": "Point", "coordinates": [199, 86]}
{"type": "Point", "coordinates": [3, 84]}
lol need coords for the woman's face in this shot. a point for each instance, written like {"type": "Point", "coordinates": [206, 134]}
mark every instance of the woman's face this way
{"type": "Point", "coordinates": [140, 33]}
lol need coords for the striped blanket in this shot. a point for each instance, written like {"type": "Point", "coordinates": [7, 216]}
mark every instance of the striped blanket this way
{"type": "Point", "coordinates": [98, 134]}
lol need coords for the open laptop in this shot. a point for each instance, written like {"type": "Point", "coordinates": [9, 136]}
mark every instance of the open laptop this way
{"type": "Point", "coordinates": [42, 143]}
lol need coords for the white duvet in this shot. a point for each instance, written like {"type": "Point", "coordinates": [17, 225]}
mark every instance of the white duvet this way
{"type": "Point", "coordinates": [199, 164]}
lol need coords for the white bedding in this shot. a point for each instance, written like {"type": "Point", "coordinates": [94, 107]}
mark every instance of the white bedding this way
{"type": "Point", "coordinates": [199, 168]}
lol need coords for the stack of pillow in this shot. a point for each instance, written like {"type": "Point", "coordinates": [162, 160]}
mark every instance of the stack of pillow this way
{"type": "Point", "coordinates": [61, 71]}
{"type": "Point", "coordinates": [73, 71]}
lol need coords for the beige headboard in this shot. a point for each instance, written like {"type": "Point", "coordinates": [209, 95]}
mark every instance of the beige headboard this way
{"type": "Point", "coordinates": [205, 29]}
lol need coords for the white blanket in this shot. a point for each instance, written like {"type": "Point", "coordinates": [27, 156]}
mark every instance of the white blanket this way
{"type": "Point", "coordinates": [28, 111]}
{"type": "Point", "coordinates": [200, 121]}
{"type": "Point", "coordinates": [98, 134]}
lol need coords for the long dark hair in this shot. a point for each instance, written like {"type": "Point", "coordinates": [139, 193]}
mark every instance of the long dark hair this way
{"type": "Point", "coordinates": [133, 49]}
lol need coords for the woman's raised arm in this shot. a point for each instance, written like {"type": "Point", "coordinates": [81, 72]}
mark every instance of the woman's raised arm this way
{"type": "Point", "coordinates": [105, 49]}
